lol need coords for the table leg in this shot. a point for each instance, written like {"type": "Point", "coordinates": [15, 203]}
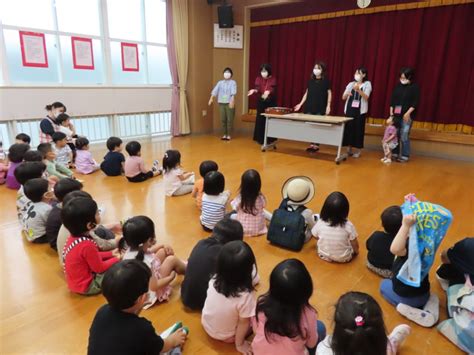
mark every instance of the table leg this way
{"type": "Point", "coordinates": [265, 145]}
{"type": "Point", "coordinates": [340, 157]}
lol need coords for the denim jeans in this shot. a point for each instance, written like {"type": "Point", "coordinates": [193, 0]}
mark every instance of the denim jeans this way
{"type": "Point", "coordinates": [404, 134]}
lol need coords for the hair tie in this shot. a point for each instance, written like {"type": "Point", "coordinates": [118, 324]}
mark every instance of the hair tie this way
{"type": "Point", "coordinates": [166, 155]}
{"type": "Point", "coordinates": [359, 320]}
{"type": "Point", "coordinates": [140, 245]}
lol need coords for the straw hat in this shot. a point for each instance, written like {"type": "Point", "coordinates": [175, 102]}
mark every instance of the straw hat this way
{"type": "Point", "coordinates": [298, 189]}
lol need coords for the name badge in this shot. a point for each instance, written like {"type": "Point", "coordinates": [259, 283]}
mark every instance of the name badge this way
{"type": "Point", "coordinates": [398, 110]}
{"type": "Point", "coordinates": [355, 103]}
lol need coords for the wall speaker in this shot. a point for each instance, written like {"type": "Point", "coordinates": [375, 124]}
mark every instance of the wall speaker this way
{"type": "Point", "coordinates": [226, 17]}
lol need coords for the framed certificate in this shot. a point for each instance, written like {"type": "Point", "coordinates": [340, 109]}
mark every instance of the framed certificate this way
{"type": "Point", "coordinates": [33, 49]}
{"type": "Point", "coordinates": [82, 53]}
{"type": "Point", "coordinates": [130, 61]}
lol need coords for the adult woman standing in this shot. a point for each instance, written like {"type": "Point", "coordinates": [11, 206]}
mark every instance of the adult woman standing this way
{"type": "Point", "coordinates": [265, 86]}
{"type": "Point", "coordinates": [356, 96]}
{"type": "Point", "coordinates": [48, 124]}
{"type": "Point", "coordinates": [317, 97]}
{"type": "Point", "coordinates": [403, 105]}
{"type": "Point", "coordinates": [225, 90]}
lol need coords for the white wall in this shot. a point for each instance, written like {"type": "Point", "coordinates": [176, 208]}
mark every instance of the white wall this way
{"type": "Point", "coordinates": [23, 103]}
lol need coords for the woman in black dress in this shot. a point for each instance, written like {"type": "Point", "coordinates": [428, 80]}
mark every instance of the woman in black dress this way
{"type": "Point", "coordinates": [265, 87]}
{"type": "Point", "coordinates": [356, 96]}
{"type": "Point", "coordinates": [317, 98]}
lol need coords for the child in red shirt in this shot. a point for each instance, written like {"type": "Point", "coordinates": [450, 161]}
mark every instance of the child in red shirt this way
{"type": "Point", "coordinates": [84, 264]}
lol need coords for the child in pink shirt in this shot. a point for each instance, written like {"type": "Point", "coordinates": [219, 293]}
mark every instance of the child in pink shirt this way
{"type": "Point", "coordinates": [85, 163]}
{"type": "Point", "coordinates": [134, 167]}
{"type": "Point", "coordinates": [231, 300]}
{"type": "Point", "coordinates": [286, 307]}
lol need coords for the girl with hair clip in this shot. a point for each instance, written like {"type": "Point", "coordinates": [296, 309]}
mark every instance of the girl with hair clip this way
{"type": "Point", "coordinates": [139, 242]}
{"type": "Point", "coordinates": [48, 125]}
{"type": "Point", "coordinates": [177, 182]}
{"type": "Point", "coordinates": [360, 329]}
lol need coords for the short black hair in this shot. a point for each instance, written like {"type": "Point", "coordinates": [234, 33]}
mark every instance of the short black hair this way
{"type": "Point", "coordinates": [228, 230]}
{"type": "Point", "coordinates": [17, 151]}
{"type": "Point", "coordinates": [267, 67]}
{"type": "Point", "coordinates": [133, 148]}
{"type": "Point", "coordinates": [227, 69]}
{"type": "Point", "coordinates": [408, 72]}
{"type": "Point", "coordinates": [62, 117]}
{"type": "Point", "coordinates": [335, 209]}
{"type": "Point", "coordinates": [81, 142]}
{"type": "Point", "coordinates": [392, 220]}
{"type": "Point", "coordinates": [58, 136]}
{"type": "Point", "coordinates": [206, 166]}
{"type": "Point", "coordinates": [44, 148]}
{"type": "Point", "coordinates": [29, 170]}
{"type": "Point", "coordinates": [65, 186]}
{"type": "Point", "coordinates": [113, 142]}
{"type": "Point", "coordinates": [23, 137]}
{"type": "Point", "coordinates": [76, 194]}
{"type": "Point", "coordinates": [171, 159]}
{"type": "Point", "coordinates": [77, 214]}
{"type": "Point", "coordinates": [125, 282]}
{"type": "Point", "coordinates": [234, 269]}
{"type": "Point", "coordinates": [33, 155]}
{"type": "Point", "coordinates": [56, 104]}
{"type": "Point", "coordinates": [214, 183]}
{"type": "Point", "coordinates": [34, 189]}
{"type": "Point", "coordinates": [136, 231]}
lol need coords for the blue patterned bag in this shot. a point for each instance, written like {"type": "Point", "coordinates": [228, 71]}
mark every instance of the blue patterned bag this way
{"type": "Point", "coordinates": [432, 223]}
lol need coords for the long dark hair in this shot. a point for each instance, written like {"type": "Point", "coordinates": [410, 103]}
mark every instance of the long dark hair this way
{"type": "Point", "coordinates": [323, 67]}
{"type": "Point", "coordinates": [250, 186]}
{"type": "Point", "coordinates": [136, 232]}
{"type": "Point", "coordinates": [171, 159]}
{"type": "Point", "coordinates": [368, 336]}
{"type": "Point", "coordinates": [291, 287]}
{"type": "Point", "coordinates": [335, 209]}
{"type": "Point", "coordinates": [234, 269]}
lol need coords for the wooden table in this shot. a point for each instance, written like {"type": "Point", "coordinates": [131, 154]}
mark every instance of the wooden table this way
{"type": "Point", "coordinates": [306, 128]}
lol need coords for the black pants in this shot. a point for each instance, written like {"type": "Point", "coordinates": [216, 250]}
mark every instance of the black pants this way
{"type": "Point", "coordinates": [41, 240]}
{"type": "Point", "coordinates": [450, 273]}
{"type": "Point", "coordinates": [354, 132]}
{"type": "Point", "coordinates": [141, 177]}
{"type": "Point", "coordinates": [261, 120]}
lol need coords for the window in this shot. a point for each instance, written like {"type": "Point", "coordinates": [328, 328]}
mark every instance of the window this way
{"type": "Point", "coordinates": [106, 23]}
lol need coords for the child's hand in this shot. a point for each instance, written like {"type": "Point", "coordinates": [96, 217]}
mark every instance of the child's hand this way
{"type": "Point", "coordinates": [116, 228]}
{"type": "Point", "coordinates": [409, 220]}
{"type": "Point", "coordinates": [168, 250]}
{"type": "Point", "coordinates": [244, 348]}
{"type": "Point", "coordinates": [116, 253]}
{"type": "Point", "coordinates": [178, 337]}
{"type": "Point", "coordinates": [171, 277]}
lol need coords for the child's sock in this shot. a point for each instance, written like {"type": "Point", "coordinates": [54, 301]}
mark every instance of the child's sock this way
{"type": "Point", "coordinates": [422, 317]}
{"type": "Point", "coordinates": [398, 335]}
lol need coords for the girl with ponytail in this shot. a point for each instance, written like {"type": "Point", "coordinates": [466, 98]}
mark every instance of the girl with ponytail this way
{"type": "Point", "coordinates": [140, 239]}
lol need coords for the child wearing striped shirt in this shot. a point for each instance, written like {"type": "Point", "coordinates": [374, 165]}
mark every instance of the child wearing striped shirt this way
{"type": "Point", "coordinates": [214, 200]}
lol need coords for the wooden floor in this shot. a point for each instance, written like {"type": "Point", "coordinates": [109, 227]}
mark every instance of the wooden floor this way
{"type": "Point", "coordinates": [39, 314]}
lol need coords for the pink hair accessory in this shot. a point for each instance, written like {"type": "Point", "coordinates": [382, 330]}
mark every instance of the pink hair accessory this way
{"type": "Point", "coordinates": [359, 321]}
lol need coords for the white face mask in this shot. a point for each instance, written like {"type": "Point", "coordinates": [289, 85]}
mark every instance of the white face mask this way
{"type": "Point", "coordinates": [264, 74]}
{"type": "Point", "coordinates": [227, 75]}
{"type": "Point", "coordinates": [317, 72]}
{"type": "Point", "coordinates": [357, 77]}
{"type": "Point", "coordinates": [404, 81]}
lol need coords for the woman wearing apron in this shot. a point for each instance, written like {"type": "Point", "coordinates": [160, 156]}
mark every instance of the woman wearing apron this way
{"type": "Point", "coordinates": [48, 124]}
{"type": "Point", "coordinates": [356, 96]}
{"type": "Point", "coordinates": [265, 87]}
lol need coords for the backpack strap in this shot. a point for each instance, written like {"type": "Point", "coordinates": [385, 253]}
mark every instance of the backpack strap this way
{"type": "Point", "coordinates": [283, 204]}
{"type": "Point", "coordinates": [300, 209]}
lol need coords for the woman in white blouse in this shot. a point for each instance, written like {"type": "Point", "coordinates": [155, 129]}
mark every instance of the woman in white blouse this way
{"type": "Point", "coordinates": [356, 96]}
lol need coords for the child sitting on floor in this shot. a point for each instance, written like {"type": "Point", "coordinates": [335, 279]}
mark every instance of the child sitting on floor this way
{"type": "Point", "coordinates": [114, 159]}
{"type": "Point", "coordinates": [198, 190]}
{"type": "Point", "coordinates": [336, 235]}
{"type": "Point", "coordinates": [214, 200]}
{"type": "Point", "coordinates": [84, 264]}
{"type": "Point", "coordinates": [134, 167]}
{"type": "Point", "coordinates": [117, 328]}
{"type": "Point", "coordinates": [52, 167]}
{"type": "Point", "coordinates": [23, 173]}
{"type": "Point", "coordinates": [16, 154]}
{"type": "Point", "coordinates": [140, 238]}
{"type": "Point", "coordinates": [250, 204]}
{"type": "Point", "coordinates": [85, 163]}
{"type": "Point", "coordinates": [37, 209]}
{"type": "Point", "coordinates": [231, 299]}
{"type": "Point", "coordinates": [177, 182]}
{"type": "Point", "coordinates": [62, 150]}
{"type": "Point", "coordinates": [360, 329]}
{"type": "Point", "coordinates": [379, 257]}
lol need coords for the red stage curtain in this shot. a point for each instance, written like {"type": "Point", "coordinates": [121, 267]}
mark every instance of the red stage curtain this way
{"type": "Point", "coordinates": [438, 42]}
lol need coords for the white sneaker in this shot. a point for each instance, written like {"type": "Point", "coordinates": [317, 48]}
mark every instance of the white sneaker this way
{"type": "Point", "coordinates": [383, 159]}
{"type": "Point", "coordinates": [387, 161]}
{"type": "Point", "coordinates": [356, 154]}
{"type": "Point", "coordinates": [399, 334]}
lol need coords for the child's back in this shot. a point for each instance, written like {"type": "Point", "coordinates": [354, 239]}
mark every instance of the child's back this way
{"type": "Point", "coordinates": [34, 220]}
{"type": "Point", "coordinates": [112, 164]}
{"type": "Point", "coordinates": [334, 242]}
{"type": "Point", "coordinates": [254, 223]}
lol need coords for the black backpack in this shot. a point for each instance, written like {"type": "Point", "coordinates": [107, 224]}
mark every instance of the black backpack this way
{"type": "Point", "coordinates": [287, 227]}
